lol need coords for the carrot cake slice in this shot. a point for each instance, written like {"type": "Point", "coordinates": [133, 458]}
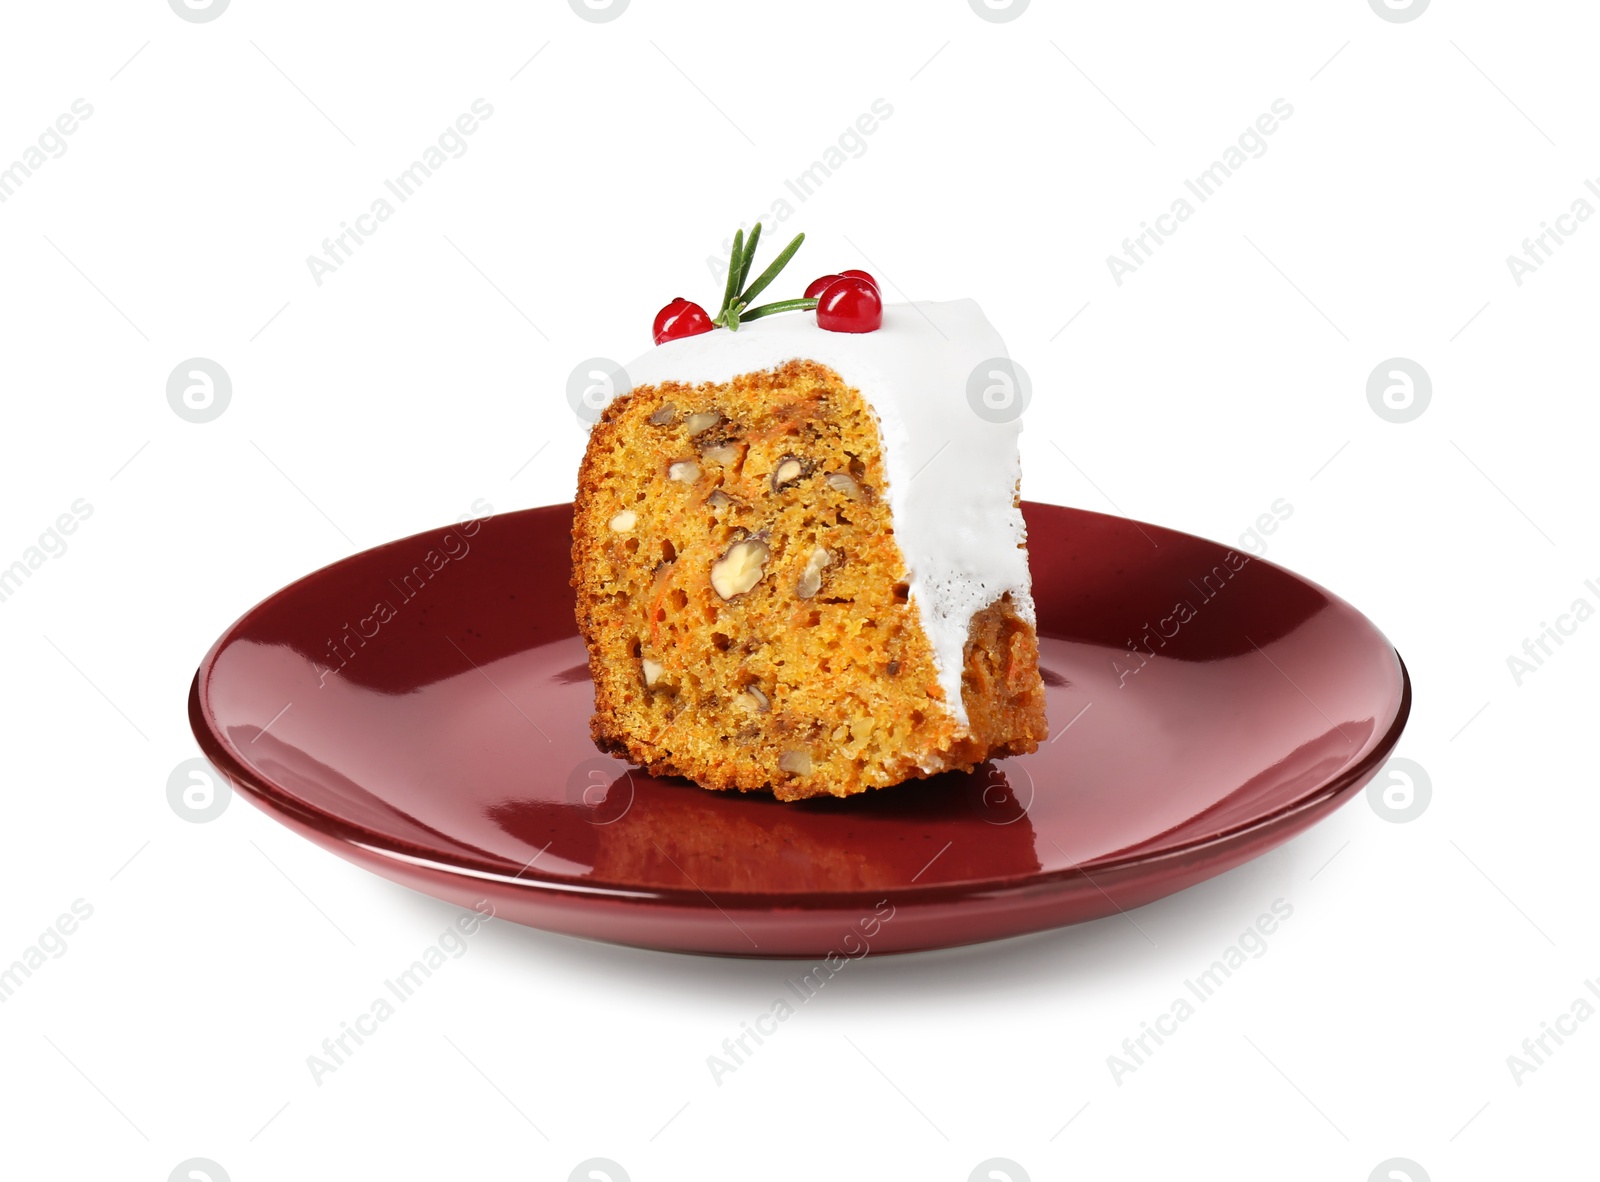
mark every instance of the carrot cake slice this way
{"type": "Point", "coordinates": [799, 553]}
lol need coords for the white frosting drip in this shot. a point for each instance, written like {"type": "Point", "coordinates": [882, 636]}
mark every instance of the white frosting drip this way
{"type": "Point", "coordinates": [951, 473]}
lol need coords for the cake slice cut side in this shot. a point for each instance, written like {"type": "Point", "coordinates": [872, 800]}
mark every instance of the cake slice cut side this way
{"type": "Point", "coordinates": [747, 608]}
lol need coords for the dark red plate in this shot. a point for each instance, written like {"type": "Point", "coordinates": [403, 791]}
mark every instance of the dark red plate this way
{"type": "Point", "coordinates": [422, 710]}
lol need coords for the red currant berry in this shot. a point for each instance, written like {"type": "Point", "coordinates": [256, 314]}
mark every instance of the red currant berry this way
{"type": "Point", "coordinates": [681, 318]}
{"type": "Point", "coordinates": [860, 275]}
{"type": "Point", "coordinates": [819, 285]}
{"type": "Point", "coordinates": [850, 304]}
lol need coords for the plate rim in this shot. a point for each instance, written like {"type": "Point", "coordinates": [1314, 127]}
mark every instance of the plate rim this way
{"type": "Point", "coordinates": [281, 803]}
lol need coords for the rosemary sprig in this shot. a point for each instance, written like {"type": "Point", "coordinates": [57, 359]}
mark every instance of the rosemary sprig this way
{"type": "Point", "coordinates": [736, 296]}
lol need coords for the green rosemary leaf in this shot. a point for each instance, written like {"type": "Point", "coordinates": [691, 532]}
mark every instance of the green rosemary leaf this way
{"type": "Point", "coordinates": [771, 272]}
{"type": "Point", "coordinates": [798, 305]}
{"type": "Point", "coordinates": [735, 263]}
{"type": "Point", "coordinates": [749, 255]}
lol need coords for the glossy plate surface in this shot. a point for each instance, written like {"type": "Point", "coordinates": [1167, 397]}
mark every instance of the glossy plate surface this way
{"type": "Point", "coordinates": [422, 710]}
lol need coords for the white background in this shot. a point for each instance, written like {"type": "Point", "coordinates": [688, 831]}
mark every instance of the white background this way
{"type": "Point", "coordinates": [1228, 372]}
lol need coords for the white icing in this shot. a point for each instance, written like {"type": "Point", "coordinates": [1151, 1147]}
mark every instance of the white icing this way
{"type": "Point", "coordinates": [952, 474]}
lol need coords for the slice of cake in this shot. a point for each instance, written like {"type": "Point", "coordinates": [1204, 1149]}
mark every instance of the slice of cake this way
{"type": "Point", "coordinates": [799, 556]}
